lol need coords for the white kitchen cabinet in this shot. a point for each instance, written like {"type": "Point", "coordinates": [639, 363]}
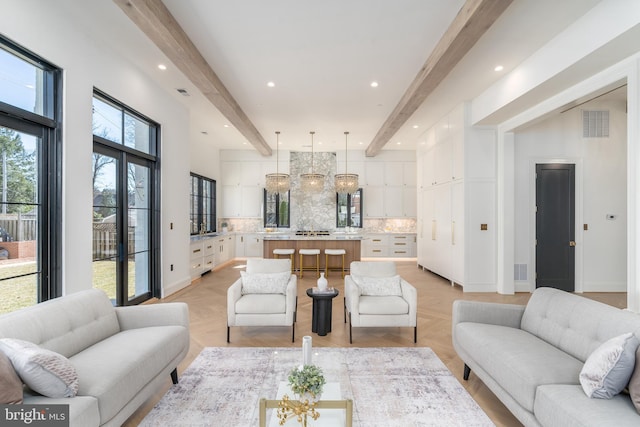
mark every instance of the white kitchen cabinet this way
{"type": "Point", "coordinates": [224, 248]}
{"type": "Point", "coordinates": [202, 256]}
{"type": "Point", "coordinates": [374, 201]}
{"type": "Point", "coordinates": [459, 194]}
{"type": "Point", "coordinates": [374, 173]}
{"type": "Point", "coordinates": [389, 245]}
{"type": "Point", "coordinates": [393, 173]}
{"type": "Point", "coordinates": [409, 201]}
{"type": "Point", "coordinates": [242, 201]}
{"type": "Point", "coordinates": [250, 245]}
{"type": "Point", "coordinates": [393, 205]}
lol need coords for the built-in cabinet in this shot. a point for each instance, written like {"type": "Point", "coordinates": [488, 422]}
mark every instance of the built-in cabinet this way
{"type": "Point", "coordinates": [225, 248]}
{"type": "Point", "coordinates": [242, 189]}
{"type": "Point", "coordinates": [456, 196]}
{"type": "Point", "coordinates": [249, 245]}
{"type": "Point", "coordinates": [389, 245]}
{"type": "Point", "coordinates": [202, 257]}
{"type": "Point", "coordinates": [390, 189]}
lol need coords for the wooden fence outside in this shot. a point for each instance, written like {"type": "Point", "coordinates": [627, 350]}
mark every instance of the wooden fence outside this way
{"type": "Point", "coordinates": [105, 240]}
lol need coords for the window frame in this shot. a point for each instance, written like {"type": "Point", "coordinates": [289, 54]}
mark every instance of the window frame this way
{"type": "Point", "coordinates": [200, 205]}
{"type": "Point", "coordinates": [49, 127]}
{"type": "Point", "coordinates": [124, 153]}
{"type": "Point", "coordinates": [349, 203]}
{"type": "Point", "coordinates": [277, 210]}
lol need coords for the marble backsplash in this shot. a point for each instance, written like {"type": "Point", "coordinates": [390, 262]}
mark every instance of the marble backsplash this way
{"type": "Point", "coordinates": [371, 225]}
{"type": "Point", "coordinates": [317, 211]}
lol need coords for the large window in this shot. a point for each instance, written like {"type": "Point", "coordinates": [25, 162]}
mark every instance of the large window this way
{"type": "Point", "coordinates": [125, 202]}
{"type": "Point", "coordinates": [30, 178]}
{"type": "Point", "coordinates": [276, 210]}
{"type": "Point", "coordinates": [203, 205]}
{"type": "Point", "coordinates": [349, 210]}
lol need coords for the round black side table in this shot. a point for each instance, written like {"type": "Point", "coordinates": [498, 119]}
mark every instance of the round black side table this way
{"type": "Point", "coordinates": [322, 303]}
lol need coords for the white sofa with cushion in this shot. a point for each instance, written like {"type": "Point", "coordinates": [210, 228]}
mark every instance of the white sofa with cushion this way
{"type": "Point", "coordinates": [561, 360]}
{"type": "Point", "coordinates": [118, 356]}
{"type": "Point", "coordinates": [266, 294]}
{"type": "Point", "coordinates": [376, 296]}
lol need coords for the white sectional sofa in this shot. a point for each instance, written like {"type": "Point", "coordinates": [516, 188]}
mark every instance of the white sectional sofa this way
{"type": "Point", "coordinates": [122, 355]}
{"type": "Point", "coordinates": [531, 356]}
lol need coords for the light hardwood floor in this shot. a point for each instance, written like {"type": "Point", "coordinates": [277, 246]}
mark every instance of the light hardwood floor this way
{"type": "Point", "coordinates": [208, 306]}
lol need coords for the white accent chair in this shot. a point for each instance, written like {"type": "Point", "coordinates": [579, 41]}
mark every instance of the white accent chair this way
{"type": "Point", "coordinates": [386, 306]}
{"type": "Point", "coordinates": [263, 309]}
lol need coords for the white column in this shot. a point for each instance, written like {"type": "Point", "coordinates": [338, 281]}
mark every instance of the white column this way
{"type": "Point", "coordinates": [505, 212]}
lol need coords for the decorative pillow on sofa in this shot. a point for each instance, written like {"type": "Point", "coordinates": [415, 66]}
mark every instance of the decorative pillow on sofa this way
{"type": "Point", "coordinates": [634, 383]}
{"type": "Point", "coordinates": [10, 384]}
{"type": "Point", "coordinates": [608, 369]}
{"type": "Point", "coordinates": [379, 286]}
{"type": "Point", "coordinates": [265, 283]}
{"type": "Point", "coordinates": [44, 371]}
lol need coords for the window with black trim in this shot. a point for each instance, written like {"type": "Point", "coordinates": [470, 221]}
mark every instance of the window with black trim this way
{"type": "Point", "coordinates": [203, 204]}
{"type": "Point", "coordinates": [277, 210]}
{"type": "Point", "coordinates": [349, 210]}
{"type": "Point", "coordinates": [126, 202]}
{"type": "Point", "coordinates": [30, 177]}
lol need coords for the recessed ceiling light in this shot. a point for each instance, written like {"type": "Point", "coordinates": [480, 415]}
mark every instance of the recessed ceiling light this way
{"type": "Point", "coordinates": [162, 67]}
{"type": "Point", "coordinates": [499, 68]}
{"type": "Point", "coordinates": [398, 143]}
{"type": "Point", "coordinates": [360, 143]}
{"type": "Point", "coordinates": [226, 126]}
{"type": "Point", "coordinates": [271, 84]}
{"type": "Point", "coordinates": [374, 84]}
{"type": "Point", "coordinates": [416, 126]}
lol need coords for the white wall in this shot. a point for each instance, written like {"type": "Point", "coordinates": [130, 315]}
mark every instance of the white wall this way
{"type": "Point", "coordinates": [601, 175]}
{"type": "Point", "coordinates": [53, 34]}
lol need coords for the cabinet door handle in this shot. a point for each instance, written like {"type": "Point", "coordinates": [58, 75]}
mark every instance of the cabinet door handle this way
{"type": "Point", "coordinates": [453, 233]}
{"type": "Point", "coordinates": [196, 251]}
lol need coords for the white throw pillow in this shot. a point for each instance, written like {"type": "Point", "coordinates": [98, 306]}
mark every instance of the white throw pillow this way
{"type": "Point", "coordinates": [44, 371]}
{"type": "Point", "coordinates": [608, 369]}
{"type": "Point", "coordinates": [379, 286]}
{"type": "Point", "coordinates": [265, 283]}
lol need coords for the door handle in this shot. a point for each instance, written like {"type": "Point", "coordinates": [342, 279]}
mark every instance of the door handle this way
{"type": "Point", "coordinates": [572, 243]}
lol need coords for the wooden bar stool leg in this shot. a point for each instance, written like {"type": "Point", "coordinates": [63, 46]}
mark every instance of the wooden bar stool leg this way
{"type": "Point", "coordinates": [326, 265]}
{"type": "Point", "coordinates": [318, 264]}
{"type": "Point", "coordinates": [301, 266]}
{"type": "Point", "coordinates": [343, 266]}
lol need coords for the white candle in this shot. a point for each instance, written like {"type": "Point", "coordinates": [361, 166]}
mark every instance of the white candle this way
{"type": "Point", "coordinates": [306, 350]}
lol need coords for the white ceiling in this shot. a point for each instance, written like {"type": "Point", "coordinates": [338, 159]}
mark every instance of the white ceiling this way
{"type": "Point", "coordinates": [322, 57]}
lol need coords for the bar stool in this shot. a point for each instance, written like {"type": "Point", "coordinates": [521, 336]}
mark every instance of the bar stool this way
{"type": "Point", "coordinates": [286, 251]}
{"type": "Point", "coordinates": [304, 252]}
{"type": "Point", "coordinates": [327, 253]}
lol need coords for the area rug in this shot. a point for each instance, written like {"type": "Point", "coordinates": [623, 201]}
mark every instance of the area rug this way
{"type": "Point", "coordinates": [392, 386]}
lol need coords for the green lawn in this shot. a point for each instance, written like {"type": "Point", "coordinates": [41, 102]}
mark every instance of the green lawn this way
{"type": "Point", "coordinates": [20, 292]}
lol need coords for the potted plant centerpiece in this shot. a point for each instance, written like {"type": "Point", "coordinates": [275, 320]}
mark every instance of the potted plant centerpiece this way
{"type": "Point", "coordinates": [307, 382]}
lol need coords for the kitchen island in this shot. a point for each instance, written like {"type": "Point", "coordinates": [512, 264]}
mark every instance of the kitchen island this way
{"type": "Point", "coordinates": [347, 241]}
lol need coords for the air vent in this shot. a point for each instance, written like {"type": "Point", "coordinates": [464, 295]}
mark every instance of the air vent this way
{"type": "Point", "coordinates": [595, 124]}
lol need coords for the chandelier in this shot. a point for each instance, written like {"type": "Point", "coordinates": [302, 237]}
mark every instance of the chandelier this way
{"type": "Point", "coordinates": [312, 182]}
{"type": "Point", "coordinates": [346, 183]}
{"type": "Point", "coordinates": [277, 182]}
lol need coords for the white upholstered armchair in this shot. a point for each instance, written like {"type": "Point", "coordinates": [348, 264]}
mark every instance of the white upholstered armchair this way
{"type": "Point", "coordinates": [376, 296]}
{"type": "Point", "coordinates": [265, 295]}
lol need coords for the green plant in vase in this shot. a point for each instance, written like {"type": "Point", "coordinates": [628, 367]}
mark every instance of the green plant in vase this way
{"type": "Point", "coordinates": [307, 379]}
{"type": "Point", "coordinates": [307, 383]}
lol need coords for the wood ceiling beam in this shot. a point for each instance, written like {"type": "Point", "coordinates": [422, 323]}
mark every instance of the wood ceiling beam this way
{"type": "Point", "coordinates": [155, 20]}
{"type": "Point", "coordinates": [474, 18]}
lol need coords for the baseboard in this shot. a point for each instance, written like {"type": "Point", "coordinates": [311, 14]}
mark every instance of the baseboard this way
{"type": "Point", "coordinates": [604, 287]}
{"type": "Point", "coordinates": [175, 287]}
{"type": "Point", "coordinates": [522, 286]}
{"type": "Point", "coordinates": [479, 287]}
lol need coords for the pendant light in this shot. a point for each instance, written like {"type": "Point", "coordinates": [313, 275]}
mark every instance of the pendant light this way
{"type": "Point", "coordinates": [346, 183]}
{"type": "Point", "coordinates": [312, 182]}
{"type": "Point", "coordinates": [277, 182]}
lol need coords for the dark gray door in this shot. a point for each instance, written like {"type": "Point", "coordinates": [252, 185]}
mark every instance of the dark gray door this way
{"type": "Point", "coordinates": [555, 226]}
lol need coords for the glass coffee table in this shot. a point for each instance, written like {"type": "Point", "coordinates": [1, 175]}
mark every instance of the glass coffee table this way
{"type": "Point", "coordinates": [334, 412]}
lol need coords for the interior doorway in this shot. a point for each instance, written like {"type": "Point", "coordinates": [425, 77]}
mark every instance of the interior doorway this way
{"type": "Point", "coordinates": [555, 226]}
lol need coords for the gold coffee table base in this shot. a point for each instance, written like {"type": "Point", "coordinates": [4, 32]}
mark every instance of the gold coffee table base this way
{"type": "Point", "coordinates": [322, 404]}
